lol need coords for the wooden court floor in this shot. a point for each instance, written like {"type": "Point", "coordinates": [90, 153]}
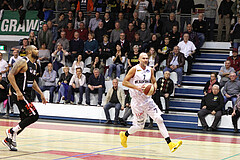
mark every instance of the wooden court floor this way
{"type": "Point", "coordinates": [54, 140]}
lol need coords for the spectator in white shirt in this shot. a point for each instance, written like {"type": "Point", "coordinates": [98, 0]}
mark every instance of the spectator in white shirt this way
{"type": "Point", "coordinates": [188, 49]}
{"type": "Point", "coordinates": [77, 84]}
{"type": "Point", "coordinates": [3, 67]}
{"type": "Point", "coordinates": [77, 64]}
{"type": "Point", "coordinates": [14, 58]}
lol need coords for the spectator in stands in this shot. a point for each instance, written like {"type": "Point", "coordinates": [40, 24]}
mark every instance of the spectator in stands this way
{"type": "Point", "coordinates": [77, 84]}
{"type": "Point", "coordinates": [168, 25]}
{"type": "Point", "coordinates": [63, 5]}
{"type": "Point", "coordinates": [33, 5]}
{"type": "Point", "coordinates": [225, 71]}
{"type": "Point", "coordinates": [118, 63]}
{"type": "Point", "coordinates": [212, 104]}
{"type": "Point", "coordinates": [32, 39]}
{"type": "Point", "coordinates": [115, 98]}
{"type": "Point", "coordinates": [115, 34]}
{"type": "Point", "coordinates": [22, 48]}
{"type": "Point", "coordinates": [156, 25]}
{"type": "Point", "coordinates": [133, 57]}
{"type": "Point", "coordinates": [3, 67]}
{"type": "Point", "coordinates": [153, 6]}
{"type": "Point", "coordinates": [130, 32]}
{"type": "Point", "coordinates": [58, 57]}
{"type": "Point", "coordinates": [225, 15]}
{"type": "Point", "coordinates": [164, 50]}
{"type": "Point", "coordinates": [235, 60]}
{"type": "Point", "coordinates": [128, 110]}
{"type": "Point", "coordinates": [170, 6]}
{"type": "Point", "coordinates": [79, 18]}
{"type": "Point", "coordinates": [165, 88]}
{"type": "Point", "coordinates": [20, 7]}
{"type": "Point", "coordinates": [90, 47]}
{"type": "Point", "coordinates": [136, 21]}
{"type": "Point", "coordinates": [100, 5]}
{"type": "Point", "coordinates": [83, 32]}
{"type": "Point", "coordinates": [141, 7]}
{"type": "Point", "coordinates": [4, 5]}
{"type": "Point", "coordinates": [49, 79]}
{"type": "Point", "coordinates": [200, 26]}
{"type": "Point", "coordinates": [3, 89]}
{"type": "Point", "coordinates": [69, 31]}
{"type": "Point", "coordinates": [97, 64]}
{"type": "Point", "coordinates": [63, 41]}
{"type": "Point", "coordinates": [76, 47]}
{"type": "Point", "coordinates": [144, 35]}
{"type": "Point", "coordinates": [105, 49]}
{"type": "Point", "coordinates": [53, 30]}
{"type": "Point", "coordinates": [93, 24]}
{"type": "Point", "coordinates": [185, 9]}
{"type": "Point", "coordinates": [174, 36]}
{"type": "Point", "coordinates": [45, 37]}
{"type": "Point", "coordinates": [63, 83]}
{"type": "Point", "coordinates": [60, 22]}
{"type": "Point", "coordinates": [70, 18]}
{"type": "Point", "coordinates": [210, 7]}
{"type": "Point", "coordinates": [96, 85]}
{"type": "Point", "coordinates": [236, 34]}
{"type": "Point", "coordinates": [14, 58]}
{"type": "Point", "coordinates": [175, 63]}
{"type": "Point", "coordinates": [137, 41]}
{"type": "Point", "coordinates": [188, 49]}
{"type": "Point", "coordinates": [43, 57]}
{"type": "Point", "coordinates": [231, 89]}
{"type": "Point", "coordinates": [77, 64]}
{"type": "Point", "coordinates": [123, 22]}
{"type": "Point", "coordinates": [48, 8]}
{"type": "Point", "coordinates": [99, 32]}
{"type": "Point", "coordinates": [236, 115]}
{"type": "Point", "coordinates": [208, 86]}
{"type": "Point", "coordinates": [153, 59]}
{"type": "Point", "coordinates": [193, 36]}
{"type": "Point", "coordinates": [154, 42]}
{"type": "Point", "coordinates": [108, 23]}
{"type": "Point", "coordinates": [162, 5]}
{"type": "Point", "coordinates": [125, 46]}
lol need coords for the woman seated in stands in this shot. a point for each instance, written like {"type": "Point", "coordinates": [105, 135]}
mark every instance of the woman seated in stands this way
{"type": "Point", "coordinates": [208, 86]}
{"type": "Point", "coordinates": [77, 63]}
{"type": "Point", "coordinates": [58, 57]}
{"type": "Point", "coordinates": [153, 59]}
{"type": "Point", "coordinates": [118, 63]}
{"type": "Point", "coordinates": [32, 39]}
{"type": "Point", "coordinates": [97, 64]}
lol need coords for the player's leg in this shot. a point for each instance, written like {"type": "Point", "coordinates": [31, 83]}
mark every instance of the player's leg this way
{"type": "Point", "coordinates": [155, 113]}
{"type": "Point", "coordinates": [139, 118]}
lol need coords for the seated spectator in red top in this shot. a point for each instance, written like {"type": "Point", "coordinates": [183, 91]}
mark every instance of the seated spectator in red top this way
{"type": "Point", "coordinates": [83, 32]}
{"type": "Point", "coordinates": [235, 60]}
{"type": "Point", "coordinates": [69, 31]}
{"type": "Point", "coordinates": [208, 86]}
{"type": "Point", "coordinates": [130, 32]}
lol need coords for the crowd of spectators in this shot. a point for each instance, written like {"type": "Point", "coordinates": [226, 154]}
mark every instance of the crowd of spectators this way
{"type": "Point", "coordinates": [70, 35]}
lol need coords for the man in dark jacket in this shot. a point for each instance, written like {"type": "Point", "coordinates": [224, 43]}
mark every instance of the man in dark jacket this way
{"type": "Point", "coordinates": [175, 63]}
{"type": "Point", "coordinates": [212, 103]}
{"type": "Point", "coordinates": [225, 15]}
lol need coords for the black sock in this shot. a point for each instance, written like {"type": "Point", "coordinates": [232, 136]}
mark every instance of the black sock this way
{"type": "Point", "coordinates": [168, 140]}
{"type": "Point", "coordinates": [127, 134]}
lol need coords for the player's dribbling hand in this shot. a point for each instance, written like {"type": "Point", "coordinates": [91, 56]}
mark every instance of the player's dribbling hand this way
{"type": "Point", "coordinates": [44, 101]}
{"type": "Point", "coordinates": [19, 96]}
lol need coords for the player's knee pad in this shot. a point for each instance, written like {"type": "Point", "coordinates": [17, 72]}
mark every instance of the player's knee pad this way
{"type": "Point", "coordinates": [159, 120]}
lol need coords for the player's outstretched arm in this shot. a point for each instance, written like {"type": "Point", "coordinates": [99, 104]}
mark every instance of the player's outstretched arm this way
{"type": "Point", "coordinates": [17, 67]}
{"type": "Point", "coordinates": [127, 78]}
{"type": "Point", "coordinates": [37, 89]}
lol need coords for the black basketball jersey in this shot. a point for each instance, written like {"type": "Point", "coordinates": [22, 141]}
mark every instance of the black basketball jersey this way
{"type": "Point", "coordinates": [25, 80]}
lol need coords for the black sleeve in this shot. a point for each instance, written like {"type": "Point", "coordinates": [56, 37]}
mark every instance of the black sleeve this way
{"type": "Point", "coordinates": [221, 103]}
{"type": "Point", "coordinates": [203, 103]}
{"type": "Point", "coordinates": [171, 87]}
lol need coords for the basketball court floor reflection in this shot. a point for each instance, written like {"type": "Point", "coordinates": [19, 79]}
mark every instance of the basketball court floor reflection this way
{"type": "Point", "coordinates": [61, 140]}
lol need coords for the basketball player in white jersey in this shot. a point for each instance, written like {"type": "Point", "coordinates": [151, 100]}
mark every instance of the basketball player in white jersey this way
{"type": "Point", "coordinates": [141, 104]}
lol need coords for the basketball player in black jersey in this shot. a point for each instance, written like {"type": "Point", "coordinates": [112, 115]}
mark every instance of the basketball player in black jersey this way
{"type": "Point", "coordinates": [22, 78]}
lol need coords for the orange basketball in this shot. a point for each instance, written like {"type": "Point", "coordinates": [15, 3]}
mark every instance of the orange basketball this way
{"type": "Point", "coordinates": [148, 89]}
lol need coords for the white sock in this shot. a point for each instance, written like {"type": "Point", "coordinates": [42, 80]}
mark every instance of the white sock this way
{"type": "Point", "coordinates": [16, 129]}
